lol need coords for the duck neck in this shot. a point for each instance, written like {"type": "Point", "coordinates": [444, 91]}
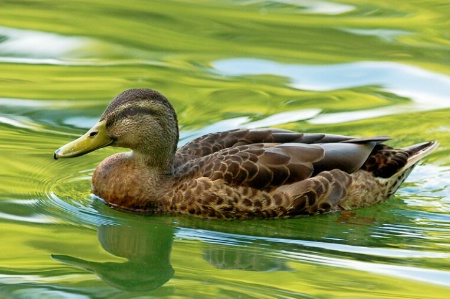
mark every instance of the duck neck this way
{"type": "Point", "coordinates": [160, 162]}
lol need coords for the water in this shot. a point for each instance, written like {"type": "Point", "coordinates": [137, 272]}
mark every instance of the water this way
{"type": "Point", "coordinates": [357, 68]}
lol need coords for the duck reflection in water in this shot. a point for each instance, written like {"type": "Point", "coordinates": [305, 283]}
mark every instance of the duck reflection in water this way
{"type": "Point", "coordinates": [147, 250]}
{"type": "Point", "coordinates": [232, 258]}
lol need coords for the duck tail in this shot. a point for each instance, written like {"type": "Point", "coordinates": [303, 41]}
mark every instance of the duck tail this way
{"type": "Point", "coordinates": [414, 153]}
{"type": "Point", "coordinates": [386, 162]}
{"type": "Point", "coordinates": [417, 152]}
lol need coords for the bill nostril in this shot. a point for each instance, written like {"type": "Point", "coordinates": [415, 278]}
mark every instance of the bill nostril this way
{"type": "Point", "coordinates": [93, 134]}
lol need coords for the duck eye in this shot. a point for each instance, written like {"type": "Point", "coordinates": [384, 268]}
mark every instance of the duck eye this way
{"type": "Point", "coordinates": [131, 112]}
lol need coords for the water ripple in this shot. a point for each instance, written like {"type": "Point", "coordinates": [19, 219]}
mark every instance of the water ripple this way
{"type": "Point", "coordinates": [69, 199]}
{"type": "Point", "coordinates": [239, 240]}
{"type": "Point", "coordinates": [414, 273]}
{"type": "Point", "coordinates": [426, 90]}
{"type": "Point", "coordinates": [44, 48]}
{"type": "Point", "coordinates": [310, 6]}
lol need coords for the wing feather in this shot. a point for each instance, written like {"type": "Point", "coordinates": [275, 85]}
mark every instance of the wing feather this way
{"type": "Point", "coordinates": [268, 158]}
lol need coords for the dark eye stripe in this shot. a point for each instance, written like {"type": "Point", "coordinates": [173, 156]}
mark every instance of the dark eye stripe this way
{"type": "Point", "coordinates": [133, 111]}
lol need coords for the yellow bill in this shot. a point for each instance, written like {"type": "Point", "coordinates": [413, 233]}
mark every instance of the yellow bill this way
{"type": "Point", "coordinates": [95, 138]}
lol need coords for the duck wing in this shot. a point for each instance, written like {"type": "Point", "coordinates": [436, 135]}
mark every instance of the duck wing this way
{"type": "Point", "coordinates": [215, 142]}
{"type": "Point", "coordinates": [264, 166]}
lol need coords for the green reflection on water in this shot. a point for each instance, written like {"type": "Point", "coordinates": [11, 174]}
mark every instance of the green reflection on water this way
{"type": "Point", "coordinates": [87, 52]}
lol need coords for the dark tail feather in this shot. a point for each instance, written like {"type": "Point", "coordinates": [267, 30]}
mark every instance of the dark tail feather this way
{"type": "Point", "coordinates": [384, 161]}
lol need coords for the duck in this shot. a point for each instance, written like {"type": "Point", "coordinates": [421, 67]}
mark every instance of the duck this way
{"type": "Point", "coordinates": [235, 174]}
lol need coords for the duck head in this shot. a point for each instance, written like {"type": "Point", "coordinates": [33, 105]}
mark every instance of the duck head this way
{"type": "Point", "coordinates": [142, 120]}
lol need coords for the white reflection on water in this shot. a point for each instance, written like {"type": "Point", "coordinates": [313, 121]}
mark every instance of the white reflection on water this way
{"type": "Point", "coordinates": [28, 219]}
{"type": "Point", "coordinates": [18, 122]}
{"type": "Point", "coordinates": [418, 274]}
{"type": "Point", "coordinates": [387, 35]}
{"type": "Point", "coordinates": [427, 90]}
{"type": "Point", "coordinates": [223, 238]}
{"type": "Point", "coordinates": [30, 43]}
{"type": "Point", "coordinates": [26, 122]}
{"type": "Point", "coordinates": [37, 47]}
{"type": "Point", "coordinates": [312, 6]}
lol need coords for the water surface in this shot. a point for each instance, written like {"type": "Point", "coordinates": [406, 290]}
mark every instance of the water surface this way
{"type": "Point", "coordinates": [355, 67]}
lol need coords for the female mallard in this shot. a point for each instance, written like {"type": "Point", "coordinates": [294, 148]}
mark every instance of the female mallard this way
{"type": "Point", "coordinates": [247, 173]}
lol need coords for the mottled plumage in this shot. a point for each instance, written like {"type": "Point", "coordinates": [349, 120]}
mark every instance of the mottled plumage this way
{"type": "Point", "coordinates": [238, 174]}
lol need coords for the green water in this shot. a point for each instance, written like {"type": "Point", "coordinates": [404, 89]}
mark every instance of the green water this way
{"type": "Point", "coordinates": [358, 68]}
